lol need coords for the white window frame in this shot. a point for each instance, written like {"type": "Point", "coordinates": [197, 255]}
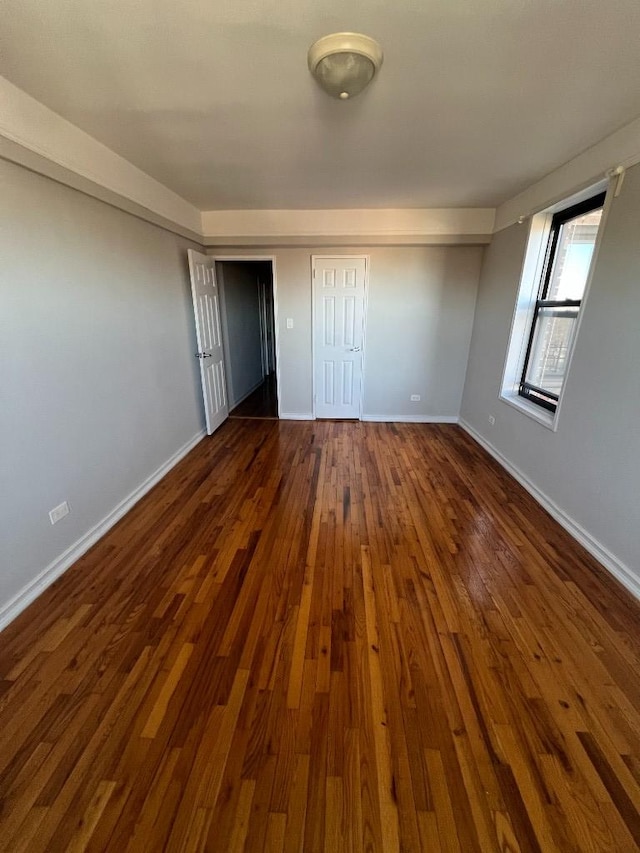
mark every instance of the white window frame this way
{"type": "Point", "coordinates": [528, 289]}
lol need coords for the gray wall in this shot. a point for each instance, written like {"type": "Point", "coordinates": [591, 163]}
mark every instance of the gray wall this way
{"type": "Point", "coordinates": [590, 468]}
{"type": "Point", "coordinates": [419, 321]}
{"type": "Point", "coordinates": [98, 380]}
{"type": "Point", "coordinates": [99, 386]}
{"type": "Point", "coordinates": [420, 313]}
{"type": "Point", "coordinates": [241, 327]}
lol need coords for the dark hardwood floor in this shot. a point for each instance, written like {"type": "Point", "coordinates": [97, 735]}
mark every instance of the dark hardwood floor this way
{"type": "Point", "coordinates": [326, 636]}
{"type": "Point", "coordinates": [262, 403]}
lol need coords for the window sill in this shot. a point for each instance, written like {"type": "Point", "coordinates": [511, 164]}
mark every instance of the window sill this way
{"type": "Point", "coordinates": [537, 413]}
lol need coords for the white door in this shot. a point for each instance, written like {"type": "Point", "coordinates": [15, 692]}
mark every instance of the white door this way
{"type": "Point", "coordinates": [206, 307]}
{"type": "Point", "coordinates": [338, 333]}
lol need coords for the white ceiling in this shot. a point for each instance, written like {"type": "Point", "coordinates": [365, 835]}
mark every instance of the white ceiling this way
{"type": "Point", "coordinates": [475, 100]}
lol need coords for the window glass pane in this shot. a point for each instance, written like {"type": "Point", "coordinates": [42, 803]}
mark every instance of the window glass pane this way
{"type": "Point", "coordinates": [550, 348]}
{"type": "Point", "coordinates": [573, 256]}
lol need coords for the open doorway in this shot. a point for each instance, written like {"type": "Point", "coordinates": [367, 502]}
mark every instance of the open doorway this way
{"type": "Point", "coordinates": [247, 301]}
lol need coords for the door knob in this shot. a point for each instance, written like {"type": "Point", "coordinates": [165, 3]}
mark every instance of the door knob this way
{"type": "Point", "coordinates": [203, 355]}
{"type": "Point", "coordinates": [354, 349]}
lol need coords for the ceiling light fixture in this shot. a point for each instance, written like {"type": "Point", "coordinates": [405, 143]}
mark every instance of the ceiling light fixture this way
{"type": "Point", "coordinates": [344, 63]}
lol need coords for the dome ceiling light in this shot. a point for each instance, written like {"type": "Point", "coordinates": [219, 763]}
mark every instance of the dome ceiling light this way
{"type": "Point", "coordinates": [344, 63]}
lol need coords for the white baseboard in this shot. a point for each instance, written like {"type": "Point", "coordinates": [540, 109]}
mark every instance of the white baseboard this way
{"type": "Point", "coordinates": [610, 562]}
{"type": "Point", "coordinates": [383, 419]}
{"type": "Point", "coordinates": [47, 576]}
{"type": "Point", "coordinates": [412, 419]}
{"type": "Point", "coordinates": [296, 416]}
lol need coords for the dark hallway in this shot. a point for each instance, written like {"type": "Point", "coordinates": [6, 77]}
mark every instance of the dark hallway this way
{"type": "Point", "coordinates": [262, 403]}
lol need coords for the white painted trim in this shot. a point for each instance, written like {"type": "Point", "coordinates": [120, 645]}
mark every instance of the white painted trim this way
{"type": "Point", "coordinates": [365, 308]}
{"type": "Point", "coordinates": [55, 569]}
{"type": "Point", "coordinates": [242, 257]}
{"type": "Point", "coordinates": [539, 227]}
{"type": "Point", "coordinates": [402, 223]}
{"type": "Point", "coordinates": [543, 416]}
{"type": "Point", "coordinates": [365, 318]}
{"type": "Point", "coordinates": [30, 124]}
{"type": "Point", "coordinates": [411, 419]}
{"type": "Point", "coordinates": [296, 416]}
{"type": "Point", "coordinates": [332, 241]}
{"type": "Point", "coordinates": [228, 372]}
{"type": "Point", "coordinates": [12, 152]}
{"type": "Point", "coordinates": [276, 323]}
{"type": "Point", "coordinates": [621, 148]}
{"type": "Point", "coordinates": [610, 562]}
{"type": "Point", "coordinates": [608, 201]}
{"type": "Point", "coordinates": [383, 419]}
{"type": "Point", "coordinates": [270, 259]}
{"type": "Point", "coordinates": [530, 279]}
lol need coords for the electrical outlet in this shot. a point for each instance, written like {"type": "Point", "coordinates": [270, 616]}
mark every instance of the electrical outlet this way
{"type": "Point", "coordinates": [59, 512]}
{"type": "Point", "coordinates": [415, 398]}
{"type": "Point", "coordinates": [492, 420]}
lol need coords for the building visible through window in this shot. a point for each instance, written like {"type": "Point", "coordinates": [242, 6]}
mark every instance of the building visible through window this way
{"type": "Point", "coordinates": [566, 268]}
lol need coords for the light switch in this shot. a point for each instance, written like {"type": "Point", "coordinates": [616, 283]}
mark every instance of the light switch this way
{"type": "Point", "coordinates": [59, 512]}
{"type": "Point", "coordinates": [289, 322]}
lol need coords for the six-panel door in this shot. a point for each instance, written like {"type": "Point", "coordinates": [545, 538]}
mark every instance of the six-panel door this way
{"type": "Point", "coordinates": [206, 306]}
{"type": "Point", "coordinates": [338, 300]}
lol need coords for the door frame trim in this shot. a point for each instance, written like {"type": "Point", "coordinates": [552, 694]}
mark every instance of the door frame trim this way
{"type": "Point", "coordinates": [365, 311]}
{"type": "Point", "coordinates": [272, 259]}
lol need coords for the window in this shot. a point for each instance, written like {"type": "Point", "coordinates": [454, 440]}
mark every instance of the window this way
{"type": "Point", "coordinates": [565, 270]}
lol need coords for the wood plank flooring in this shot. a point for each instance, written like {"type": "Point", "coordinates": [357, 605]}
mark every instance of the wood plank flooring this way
{"type": "Point", "coordinates": [262, 403]}
{"type": "Point", "coordinates": [326, 637]}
